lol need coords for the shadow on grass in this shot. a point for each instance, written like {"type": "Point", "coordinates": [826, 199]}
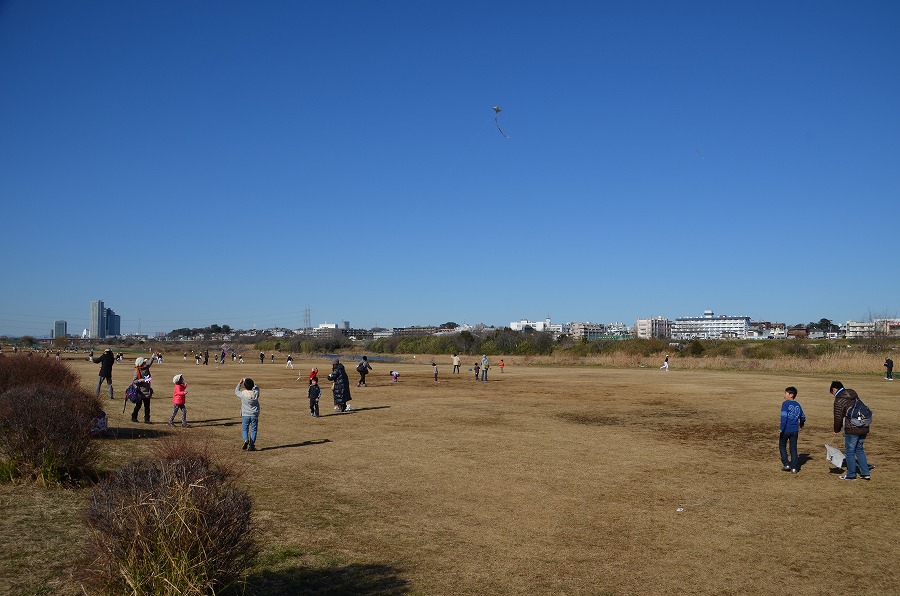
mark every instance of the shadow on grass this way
{"type": "Point", "coordinates": [137, 432]}
{"type": "Point", "coordinates": [212, 421]}
{"type": "Point", "coordinates": [354, 410]}
{"type": "Point", "coordinates": [349, 579]}
{"type": "Point", "coordinates": [303, 444]}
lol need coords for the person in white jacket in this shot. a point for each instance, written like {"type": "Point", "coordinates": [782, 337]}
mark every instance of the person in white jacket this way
{"type": "Point", "coordinates": [248, 393]}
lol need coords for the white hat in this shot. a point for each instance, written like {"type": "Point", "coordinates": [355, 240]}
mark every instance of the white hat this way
{"type": "Point", "coordinates": [177, 379]}
{"type": "Point", "coordinates": [140, 361]}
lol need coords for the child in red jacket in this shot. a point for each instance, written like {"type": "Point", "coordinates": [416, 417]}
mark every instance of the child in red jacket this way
{"type": "Point", "coordinates": [178, 396]}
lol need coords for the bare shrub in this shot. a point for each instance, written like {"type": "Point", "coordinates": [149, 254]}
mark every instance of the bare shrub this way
{"type": "Point", "coordinates": [45, 433]}
{"type": "Point", "coordinates": [176, 525]}
{"type": "Point", "coordinates": [23, 372]}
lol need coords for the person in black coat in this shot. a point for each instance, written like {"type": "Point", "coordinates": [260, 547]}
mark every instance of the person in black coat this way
{"type": "Point", "coordinates": [106, 362]}
{"type": "Point", "coordinates": [341, 389]}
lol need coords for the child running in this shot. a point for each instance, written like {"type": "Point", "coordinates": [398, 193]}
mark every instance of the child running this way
{"type": "Point", "coordinates": [178, 395]}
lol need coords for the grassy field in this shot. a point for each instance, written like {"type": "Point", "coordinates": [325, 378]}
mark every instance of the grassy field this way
{"type": "Point", "coordinates": [544, 480]}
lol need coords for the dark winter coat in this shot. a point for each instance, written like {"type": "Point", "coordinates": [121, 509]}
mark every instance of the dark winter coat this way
{"type": "Point", "coordinates": [341, 388]}
{"type": "Point", "coordinates": [106, 362]}
{"type": "Point", "coordinates": [843, 401]}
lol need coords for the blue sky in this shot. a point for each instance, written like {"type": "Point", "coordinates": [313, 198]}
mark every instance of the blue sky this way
{"type": "Point", "coordinates": [192, 162]}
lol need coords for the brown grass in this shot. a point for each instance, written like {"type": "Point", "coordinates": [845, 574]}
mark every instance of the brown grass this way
{"type": "Point", "coordinates": [549, 479]}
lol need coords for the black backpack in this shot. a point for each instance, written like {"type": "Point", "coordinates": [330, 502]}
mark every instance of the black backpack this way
{"type": "Point", "coordinates": [859, 414]}
{"type": "Point", "coordinates": [361, 367]}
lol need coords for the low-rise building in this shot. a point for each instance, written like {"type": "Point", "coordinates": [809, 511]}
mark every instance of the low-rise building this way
{"type": "Point", "coordinates": [658, 328]}
{"type": "Point", "coordinates": [710, 326]}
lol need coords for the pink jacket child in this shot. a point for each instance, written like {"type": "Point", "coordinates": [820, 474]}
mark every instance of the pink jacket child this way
{"type": "Point", "coordinates": [178, 397]}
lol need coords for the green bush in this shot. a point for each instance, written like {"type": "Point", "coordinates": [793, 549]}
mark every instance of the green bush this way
{"type": "Point", "coordinates": [177, 525]}
{"type": "Point", "coordinates": [45, 434]}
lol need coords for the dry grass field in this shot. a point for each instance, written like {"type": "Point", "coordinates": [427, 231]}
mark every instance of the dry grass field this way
{"type": "Point", "coordinates": [544, 480]}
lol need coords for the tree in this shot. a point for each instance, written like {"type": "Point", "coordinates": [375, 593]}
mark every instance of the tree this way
{"type": "Point", "coordinates": [449, 325]}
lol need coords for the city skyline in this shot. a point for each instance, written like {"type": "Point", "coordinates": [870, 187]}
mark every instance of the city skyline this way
{"type": "Point", "coordinates": [234, 163]}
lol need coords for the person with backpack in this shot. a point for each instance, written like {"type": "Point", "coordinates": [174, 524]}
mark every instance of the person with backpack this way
{"type": "Point", "coordinates": [363, 369]}
{"type": "Point", "coordinates": [846, 400]}
{"type": "Point", "coordinates": [888, 369]}
{"type": "Point", "coordinates": [792, 420]}
{"type": "Point", "coordinates": [142, 381]}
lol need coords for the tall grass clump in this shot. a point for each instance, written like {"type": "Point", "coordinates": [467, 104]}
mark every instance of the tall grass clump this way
{"type": "Point", "coordinates": [173, 525]}
{"type": "Point", "coordinates": [23, 372]}
{"type": "Point", "coordinates": [45, 434]}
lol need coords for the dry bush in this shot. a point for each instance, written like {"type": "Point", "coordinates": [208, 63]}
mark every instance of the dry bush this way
{"type": "Point", "coordinates": [45, 433]}
{"type": "Point", "coordinates": [175, 525]}
{"type": "Point", "coordinates": [23, 372]}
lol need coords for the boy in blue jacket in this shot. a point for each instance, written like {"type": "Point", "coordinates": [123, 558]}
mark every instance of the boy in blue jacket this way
{"type": "Point", "coordinates": [792, 420]}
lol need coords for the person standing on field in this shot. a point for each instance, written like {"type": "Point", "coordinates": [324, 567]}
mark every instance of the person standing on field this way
{"type": "Point", "coordinates": [888, 369]}
{"type": "Point", "coordinates": [106, 361]}
{"type": "Point", "coordinates": [313, 394]}
{"type": "Point", "coordinates": [178, 398]}
{"type": "Point", "coordinates": [485, 365]}
{"type": "Point", "coordinates": [248, 392]}
{"type": "Point", "coordinates": [456, 364]}
{"type": "Point", "coordinates": [792, 420]}
{"type": "Point", "coordinates": [854, 436]}
{"type": "Point", "coordinates": [341, 387]}
{"type": "Point", "coordinates": [142, 381]}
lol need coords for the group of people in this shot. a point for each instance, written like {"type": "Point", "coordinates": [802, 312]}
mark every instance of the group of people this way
{"type": "Point", "coordinates": [793, 419]}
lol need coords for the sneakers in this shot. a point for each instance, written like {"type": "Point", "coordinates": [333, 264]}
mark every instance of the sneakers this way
{"type": "Point", "coordinates": [171, 423]}
{"type": "Point", "coordinates": [246, 445]}
{"type": "Point", "coordinates": [845, 477]}
{"type": "Point", "coordinates": [795, 471]}
{"type": "Point", "coordinates": [185, 425]}
{"type": "Point", "coordinates": [252, 447]}
{"type": "Point", "coordinates": [866, 477]}
{"type": "Point", "coordinates": [785, 468]}
{"type": "Point", "coordinates": [348, 408]}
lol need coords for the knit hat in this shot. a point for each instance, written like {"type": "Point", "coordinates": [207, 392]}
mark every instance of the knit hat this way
{"type": "Point", "coordinates": [108, 350]}
{"type": "Point", "coordinates": [140, 361]}
{"type": "Point", "coordinates": [177, 379]}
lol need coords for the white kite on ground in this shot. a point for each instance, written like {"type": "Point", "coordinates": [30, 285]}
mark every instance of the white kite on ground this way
{"type": "Point", "coordinates": [834, 455]}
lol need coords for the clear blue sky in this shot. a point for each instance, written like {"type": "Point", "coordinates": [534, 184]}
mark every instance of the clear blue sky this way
{"type": "Point", "coordinates": [200, 162]}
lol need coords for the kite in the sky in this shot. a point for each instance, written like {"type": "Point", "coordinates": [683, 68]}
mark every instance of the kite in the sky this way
{"type": "Point", "coordinates": [497, 111]}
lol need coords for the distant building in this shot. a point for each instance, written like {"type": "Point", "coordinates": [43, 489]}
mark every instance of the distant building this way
{"type": "Point", "coordinates": [113, 323]}
{"type": "Point", "coordinates": [857, 330]}
{"type": "Point", "coordinates": [889, 327]}
{"type": "Point", "coordinates": [710, 326]}
{"type": "Point", "coordinates": [98, 320]}
{"type": "Point", "coordinates": [588, 331]}
{"type": "Point", "coordinates": [658, 328]}
{"type": "Point", "coordinates": [60, 329]}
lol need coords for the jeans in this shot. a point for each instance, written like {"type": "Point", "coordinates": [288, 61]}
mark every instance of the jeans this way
{"type": "Point", "coordinates": [785, 440]}
{"type": "Point", "coordinates": [249, 422]}
{"type": "Point", "coordinates": [100, 380]}
{"type": "Point", "coordinates": [854, 446]}
{"type": "Point", "coordinates": [484, 374]}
